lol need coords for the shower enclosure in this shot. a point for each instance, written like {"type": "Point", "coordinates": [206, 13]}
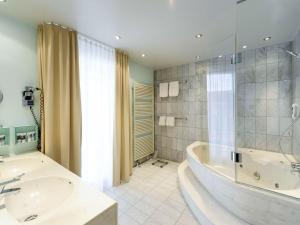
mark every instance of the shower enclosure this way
{"type": "Point", "coordinates": [251, 95]}
{"type": "Point", "coordinates": [267, 95]}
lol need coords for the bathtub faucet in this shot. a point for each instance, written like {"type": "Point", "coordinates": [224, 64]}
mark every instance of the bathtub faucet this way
{"type": "Point", "coordinates": [295, 167]}
{"type": "Point", "coordinates": [15, 179]}
{"type": "Point", "coordinates": [9, 190]}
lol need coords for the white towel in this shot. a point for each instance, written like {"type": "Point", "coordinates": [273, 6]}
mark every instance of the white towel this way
{"type": "Point", "coordinates": [162, 121]}
{"type": "Point", "coordinates": [170, 122]}
{"type": "Point", "coordinates": [163, 90]}
{"type": "Point", "coordinates": [174, 88]}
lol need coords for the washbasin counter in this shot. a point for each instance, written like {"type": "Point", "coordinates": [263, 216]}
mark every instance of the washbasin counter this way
{"type": "Point", "coordinates": [51, 195]}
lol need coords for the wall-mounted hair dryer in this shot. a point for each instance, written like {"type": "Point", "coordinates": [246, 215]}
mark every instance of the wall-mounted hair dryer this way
{"type": "Point", "coordinates": [28, 96]}
{"type": "Point", "coordinates": [28, 100]}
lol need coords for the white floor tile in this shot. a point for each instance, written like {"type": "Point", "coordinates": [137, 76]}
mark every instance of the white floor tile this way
{"type": "Point", "coordinates": [152, 197]}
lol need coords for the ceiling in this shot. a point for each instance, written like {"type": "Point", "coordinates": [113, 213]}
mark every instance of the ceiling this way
{"type": "Point", "coordinates": [164, 30]}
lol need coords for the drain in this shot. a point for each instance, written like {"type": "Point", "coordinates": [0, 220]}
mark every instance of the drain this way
{"type": "Point", "coordinates": [241, 165]}
{"type": "Point", "coordinates": [31, 217]}
{"type": "Point", "coordinates": [276, 185]}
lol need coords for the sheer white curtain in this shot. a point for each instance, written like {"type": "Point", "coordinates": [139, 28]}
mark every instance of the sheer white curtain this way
{"type": "Point", "coordinates": [220, 104]}
{"type": "Point", "coordinates": [97, 86]}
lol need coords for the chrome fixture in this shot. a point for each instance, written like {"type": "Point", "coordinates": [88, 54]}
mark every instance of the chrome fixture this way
{"type": "Point", "coordinates": [236, 157]}
{"type": "Point", "coordinates": [295, 167]}
{"type": "Point", "coordinates": [9, 190]}
{"type": "Point", "coordinates": [15, 179]}
{"type": "Point", "coordinates": [292, 53]}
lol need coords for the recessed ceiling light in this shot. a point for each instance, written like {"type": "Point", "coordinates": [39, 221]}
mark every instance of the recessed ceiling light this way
{"type": "Point", "coordinates": [117, 37]}
{"type": "Point", "coordinates": [198, 35]}
{"type": "Point", "coordinates": [267, 38]}
{"type": "Point", "coordinates": [245, 46]}
{"type": "Point", "coordinates": [143, 55]}
{"type": "Point", "coordinates": [198, 57]}
{"type": "Point", "coordinates": [3, 0]}
{"type": "Point", "coordinates": [220, 56]}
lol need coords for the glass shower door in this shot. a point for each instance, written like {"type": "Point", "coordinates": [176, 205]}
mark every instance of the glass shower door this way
{"type": "Point", "coordinates": [267, 95]}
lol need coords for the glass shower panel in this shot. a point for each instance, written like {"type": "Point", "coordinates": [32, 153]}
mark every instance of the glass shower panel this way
{"type": "Point", "coordinates": [216, 77]}
{"type": "Point", "coordinates": [220, 108]}
{"type": "Point", "coordinates": [267, 95]}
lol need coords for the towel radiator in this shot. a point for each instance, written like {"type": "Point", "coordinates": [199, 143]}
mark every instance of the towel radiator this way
{"type": "Point", "coordinates": [143, 121]}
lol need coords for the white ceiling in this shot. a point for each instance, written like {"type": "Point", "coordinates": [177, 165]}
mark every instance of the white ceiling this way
{"type": "Point", "coordinates": [164, 30]}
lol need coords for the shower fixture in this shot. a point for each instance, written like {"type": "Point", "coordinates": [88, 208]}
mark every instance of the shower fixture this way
{"type": "Point", "coordinates": [292, 53]}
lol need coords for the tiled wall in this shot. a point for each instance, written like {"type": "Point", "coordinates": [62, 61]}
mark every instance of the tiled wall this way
{"type": "Point", "coordinates": [263, 101]}
{"type": "Point", "coordinates": [296, 95]}
{"type": "Point", "coordinates": [263, 95]}
{"type": "Point", "coordinates": [171, 142]}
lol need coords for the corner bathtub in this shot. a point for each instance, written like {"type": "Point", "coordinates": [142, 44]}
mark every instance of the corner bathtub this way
{"type": "Point", "coordinates": [275, 202]}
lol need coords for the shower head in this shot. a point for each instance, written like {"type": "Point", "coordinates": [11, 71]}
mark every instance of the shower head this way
{"type": "Point", "coordinates": [292, 53]}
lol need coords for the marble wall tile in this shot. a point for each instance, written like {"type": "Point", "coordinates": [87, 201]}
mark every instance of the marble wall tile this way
{"type": "Point", "coordinates": [261, 125]}
{"type": "Point", "coordinates": [249, 125]}
{"type": "Point", "coordinates": [261, 107]}
{"type": "Point", "coordinates": [261, 90]}
{"type": "Point", "coordinates": [273, 143]}
{"type": "Point", "coordinates": [272, 108]}
{"type": "Point", "coordinates": [261, 141]}
{"type": "Point", "coordinates": [273, 95]}
{"type": "Point", "coordinates": [273, 125]}
{"type": "Point", "coordinates": [261, 56]}
{"type": "Point", "coordinates": [285, 89]}
{"type": "Point", "coordinates": [263, 101]}
{"type": "Point", "coordinates": [272, 72]}
{"type": "Point", "coordinates": [249, 73]}
{"type": "Point", "coordinates": [261, 73]}
{"type": "Point", "coordinates": [272, 90]}
{"type": "Point", "coordinates": [250, 91]}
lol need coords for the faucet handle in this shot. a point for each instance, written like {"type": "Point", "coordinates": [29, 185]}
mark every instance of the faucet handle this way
{"type": "Point", "coordinates": [2, 189]}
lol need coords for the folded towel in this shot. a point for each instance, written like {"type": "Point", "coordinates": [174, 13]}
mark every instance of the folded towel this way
{"type": "Point", "coordinates": [162, 121]}
{"type": "Point", "coordinates": [170, 122]}
{"type": "Point", "coordinates": [174, 88]}
{"type": "Point", "coordinates": [163, 90]}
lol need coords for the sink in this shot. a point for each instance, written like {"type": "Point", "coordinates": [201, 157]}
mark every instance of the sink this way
{"type": "Point", "coordinates": [15, 167]}
{"type": "Point", "coordinates": [38, 197]}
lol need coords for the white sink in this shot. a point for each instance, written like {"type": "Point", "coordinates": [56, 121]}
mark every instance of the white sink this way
{"type": "Point", "coordinates": [38, 197]}
{"type": "Point", "coordinates": [13, 168]}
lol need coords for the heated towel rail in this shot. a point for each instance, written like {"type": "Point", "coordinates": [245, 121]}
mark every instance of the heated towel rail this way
{"type": "Point", "coordinates": [143, 121]}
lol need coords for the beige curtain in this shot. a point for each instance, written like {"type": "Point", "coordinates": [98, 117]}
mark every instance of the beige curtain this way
{"type": "Point", "coordinates": [61, 109]}
{"type": "Point", "coordinates": [123, 155]}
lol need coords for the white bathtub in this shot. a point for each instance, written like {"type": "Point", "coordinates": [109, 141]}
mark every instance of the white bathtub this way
{"type": "Point", "coordinates": [253, 205]}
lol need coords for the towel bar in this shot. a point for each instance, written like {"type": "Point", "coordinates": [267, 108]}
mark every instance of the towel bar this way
{"type": "Point", "coordinates": [177, 117]}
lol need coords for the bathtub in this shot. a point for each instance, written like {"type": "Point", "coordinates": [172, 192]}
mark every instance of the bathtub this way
{"type": "Point", "coordinates": [275, 201]}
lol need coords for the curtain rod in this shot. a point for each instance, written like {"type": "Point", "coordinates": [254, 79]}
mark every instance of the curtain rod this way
{"type": "Point", "coordinates": [59, 25]}
{"type": "Point", "coordinates": [84, 35]}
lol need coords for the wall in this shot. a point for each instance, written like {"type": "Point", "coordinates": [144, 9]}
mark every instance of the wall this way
{"type": "Point", "coordinates": [171, 142]}
{"type": "Point", "coordinates": [140, 73]}
{"type": "Point", "coordinates": [263, 103]}
{"type": "Point", "coordinates": [264, 96]}
{"type": "Point", "coordinates": [18, 68]}
{"type": "Point", "coordinates": [296, 95]}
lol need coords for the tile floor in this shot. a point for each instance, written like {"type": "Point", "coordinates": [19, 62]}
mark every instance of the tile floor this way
{"type": "Point", "coordinates": [152, 197]}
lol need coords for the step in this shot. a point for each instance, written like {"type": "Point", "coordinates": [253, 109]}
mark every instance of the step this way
{"type": "Point", "coordinates": [206, 209]}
